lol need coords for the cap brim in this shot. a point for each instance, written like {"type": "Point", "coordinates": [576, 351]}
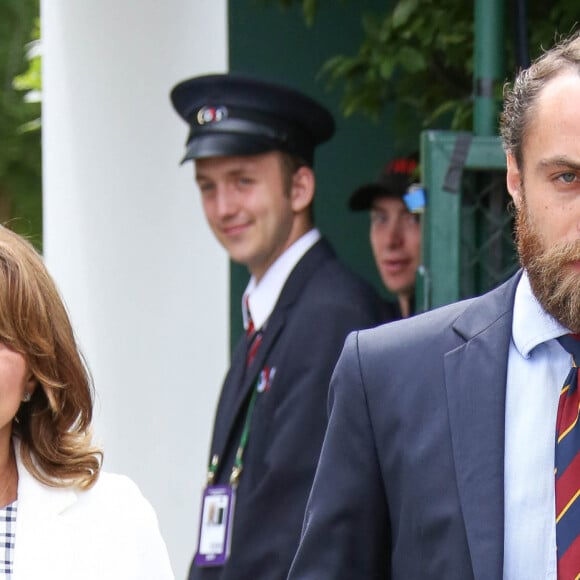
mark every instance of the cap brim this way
{"type": "Point", "coordinates": [362, 198]}
{"type": "Point", "coordinates": [225, 145]}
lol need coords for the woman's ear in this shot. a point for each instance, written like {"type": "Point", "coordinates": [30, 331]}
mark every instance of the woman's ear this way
{"type": "Point", "coordinates": [303, 186]}
{"type": "Point", "coordinates": [30, 384]}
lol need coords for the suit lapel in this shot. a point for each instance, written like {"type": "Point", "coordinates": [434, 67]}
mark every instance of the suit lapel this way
{"type": "Point", "coordinates": [475, 375]}
{"type": "Point", "coordinates": [240, 380]}
{"type": "Point", "coordinates": [275, 325]}
{"type": "Point", "coordinates": [225, 414]}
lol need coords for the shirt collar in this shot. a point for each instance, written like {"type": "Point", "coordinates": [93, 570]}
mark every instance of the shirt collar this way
{"type": "Point", "coordinates": [263, 295]}
{"type": "Point", "coordinates": [532, 325]}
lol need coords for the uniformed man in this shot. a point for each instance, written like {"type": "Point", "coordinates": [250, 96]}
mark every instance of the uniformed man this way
{"type": "Point", "coordinates": [395, 230]}
{"type": "Point", "coordinates": [253, 146]}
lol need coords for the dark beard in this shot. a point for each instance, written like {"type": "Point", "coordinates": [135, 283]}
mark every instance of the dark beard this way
{"type": "Point", "coordinates": [555, 285]}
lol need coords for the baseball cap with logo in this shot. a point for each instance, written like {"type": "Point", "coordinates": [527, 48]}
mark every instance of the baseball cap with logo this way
{"type": "Point", "coordinates": [394, 181]}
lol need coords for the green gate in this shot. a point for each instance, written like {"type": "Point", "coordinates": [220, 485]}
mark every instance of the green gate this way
{"type": "Point", "coordinates": [468, 243]}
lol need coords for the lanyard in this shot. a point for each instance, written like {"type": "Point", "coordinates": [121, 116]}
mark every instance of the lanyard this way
{"type": "Point", "coordinates": [238, 462]}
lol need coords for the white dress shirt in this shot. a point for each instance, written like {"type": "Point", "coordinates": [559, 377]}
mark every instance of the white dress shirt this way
{"type": "Point", "coordinates": [537, 368]}
{"type": "Point", "coordinates": [262, 296]}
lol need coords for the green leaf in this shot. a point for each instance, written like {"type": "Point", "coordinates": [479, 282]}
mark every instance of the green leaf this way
{"type": "Point", "coordinates": [387, 69]}
{"type": "Point", "coordinates": [403, 11]}
{"type": "Point", "coordinates": [31, 126]}
{"type": "Point", "coordinates": [411, 59]}
{"type": "Point", "coordinates": [341, 67]}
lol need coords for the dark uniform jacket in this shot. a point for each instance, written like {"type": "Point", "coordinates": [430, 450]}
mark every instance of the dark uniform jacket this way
{"type": "Point", "coordinates": [319, 305]}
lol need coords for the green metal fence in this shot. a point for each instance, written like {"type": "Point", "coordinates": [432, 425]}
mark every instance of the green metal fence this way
{"type": "Point", "coordinates": [467, 227]}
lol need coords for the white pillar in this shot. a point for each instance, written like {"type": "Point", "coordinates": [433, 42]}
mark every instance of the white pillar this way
{"type": "Point", "coordinates": [124, 236]}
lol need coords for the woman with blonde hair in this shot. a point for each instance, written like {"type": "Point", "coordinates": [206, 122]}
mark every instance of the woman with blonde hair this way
{"type": "Point", "coordinates": [60, 516]}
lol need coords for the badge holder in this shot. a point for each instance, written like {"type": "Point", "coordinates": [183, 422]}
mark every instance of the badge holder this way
{"type": "Point", "coordinates": [218, 503]}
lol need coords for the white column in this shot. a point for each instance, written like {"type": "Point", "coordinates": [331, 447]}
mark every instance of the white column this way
{"type": "Point", "coordinates": [124, 235]}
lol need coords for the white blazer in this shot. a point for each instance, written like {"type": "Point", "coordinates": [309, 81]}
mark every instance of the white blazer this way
{"type": "Point", "coordinates": [109, 532]}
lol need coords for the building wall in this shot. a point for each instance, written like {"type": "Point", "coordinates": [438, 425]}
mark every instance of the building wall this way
{"type": "Point", "coordinates": [144, 280]}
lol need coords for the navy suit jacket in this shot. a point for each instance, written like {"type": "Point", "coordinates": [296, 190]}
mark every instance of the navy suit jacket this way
{"type": "Point", "coordinates": [320, 304]}
{"type": "Point", "coordinates": [410, 484]}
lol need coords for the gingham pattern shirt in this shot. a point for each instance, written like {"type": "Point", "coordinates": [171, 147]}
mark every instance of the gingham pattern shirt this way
{"type": "Point", "coordinates": [7, 532]}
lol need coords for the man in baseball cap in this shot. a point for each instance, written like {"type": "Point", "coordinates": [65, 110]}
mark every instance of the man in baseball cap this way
{"type": "Point", "coordinates": [395, 230]}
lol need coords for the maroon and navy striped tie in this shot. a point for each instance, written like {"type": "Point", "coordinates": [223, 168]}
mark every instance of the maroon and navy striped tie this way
{"type": "Point", "coordinates": [253, 336]}
{"type": "Point", "coordinates": [254, 341]}
{"type": "Point", "coordinates": [567, 468]}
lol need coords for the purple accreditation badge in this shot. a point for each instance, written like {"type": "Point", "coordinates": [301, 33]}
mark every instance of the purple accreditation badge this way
{"type": "Point", "coordinates": [215, 527]}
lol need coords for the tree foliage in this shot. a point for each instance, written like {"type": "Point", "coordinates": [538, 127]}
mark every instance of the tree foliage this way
{"type": "Point", "coordinates": [419, 55]}
{"type": "Point", "coordinates": [20, 151]}
{"type": "Point", "coordinates": [30, 81]}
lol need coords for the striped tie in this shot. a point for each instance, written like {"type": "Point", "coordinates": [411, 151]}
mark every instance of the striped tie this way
{"type": "Point", "coordinates": [247, 316]}
{"type": "Point", "coordinates": [253, 336]}
{"type": "Point", "coordinates": [567, 469]}
{"type": "Point", "coordinates": [254, 342]}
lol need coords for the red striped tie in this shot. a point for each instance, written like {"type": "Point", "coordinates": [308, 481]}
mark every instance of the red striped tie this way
{"type": "Point", "coordinates": [253, 336]}
{"type": "Point", "coordinates": [254, 342]}
{"type": "Point", "coordinates": [567, 468]}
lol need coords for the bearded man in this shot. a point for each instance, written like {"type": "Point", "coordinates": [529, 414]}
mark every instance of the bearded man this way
{"type": "Point", "coordinates": [451, 449]}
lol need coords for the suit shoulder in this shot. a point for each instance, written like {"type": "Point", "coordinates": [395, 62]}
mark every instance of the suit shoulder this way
{"type": "Point", "coordinates": [334, 290]}
{"type": "Point", "coordinates": [427, 326]}
{"type": "Point", "coordinates": [342, 281]}
{"type": "Point", "coordinates": [464, 319]}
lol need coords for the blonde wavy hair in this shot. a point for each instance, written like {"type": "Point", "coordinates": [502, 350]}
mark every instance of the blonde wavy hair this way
{"type": "Point", "coordinates": [54, 427]}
